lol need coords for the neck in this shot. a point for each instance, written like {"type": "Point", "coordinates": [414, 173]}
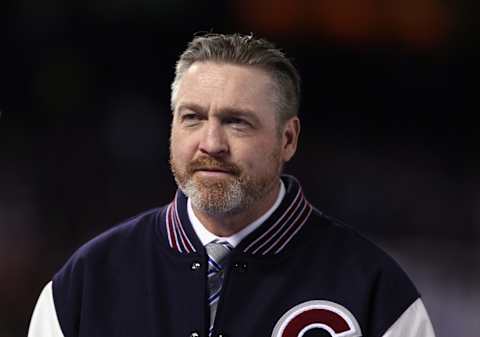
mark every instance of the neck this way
{"type": "Point", "coordinates": [228, 224]}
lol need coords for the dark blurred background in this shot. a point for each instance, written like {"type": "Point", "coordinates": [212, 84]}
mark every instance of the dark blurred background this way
{"type": "Point", "coordinates": [388, 144]}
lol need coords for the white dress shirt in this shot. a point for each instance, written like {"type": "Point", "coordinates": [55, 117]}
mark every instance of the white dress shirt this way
{"type": "Point", "coordinates": [206, 236]}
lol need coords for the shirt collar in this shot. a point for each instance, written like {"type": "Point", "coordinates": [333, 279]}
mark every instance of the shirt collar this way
{"type": "Point", "coordinates": [206, 236]}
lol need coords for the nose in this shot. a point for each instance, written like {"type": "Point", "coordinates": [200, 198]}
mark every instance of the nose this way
{"type": "Point", "coordinates": [214, 141]}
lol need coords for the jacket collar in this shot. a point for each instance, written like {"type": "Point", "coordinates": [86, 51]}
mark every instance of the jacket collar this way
{"type": "Point", "coordinates": [269, 239]}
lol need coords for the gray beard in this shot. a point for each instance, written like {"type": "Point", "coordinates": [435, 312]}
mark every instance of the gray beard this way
{"type": "Point", "coordinates": [216, 198]}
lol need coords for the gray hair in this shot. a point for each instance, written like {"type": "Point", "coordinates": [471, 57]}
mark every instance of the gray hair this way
{"type": "Point", "coordinates": [244, 50]}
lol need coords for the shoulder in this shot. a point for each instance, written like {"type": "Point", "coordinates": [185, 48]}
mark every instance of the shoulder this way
{"type": "Point", "coordinates": [365, 270]}
{"type": "Point", "coordinates": [94, 268]}
{"type": "Point", "coordinates": [123, 242]}
{"type": "Point", "coordinates": [333, 235]}
{"type": "Point", "coordinates": [128, 232]}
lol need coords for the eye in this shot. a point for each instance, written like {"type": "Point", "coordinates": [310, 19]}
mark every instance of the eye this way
{"type": "Point", "coordinates": [190, 118]}
{"type": "Point", "coordinates": [237, 122]}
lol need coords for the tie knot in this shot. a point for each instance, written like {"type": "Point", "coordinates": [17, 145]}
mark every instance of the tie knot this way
{"type": "Point", "coordinates": [218, 250]}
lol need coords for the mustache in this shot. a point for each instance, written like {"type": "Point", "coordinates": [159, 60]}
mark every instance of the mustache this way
{"type": "Point", "coordinates": [210, 163]}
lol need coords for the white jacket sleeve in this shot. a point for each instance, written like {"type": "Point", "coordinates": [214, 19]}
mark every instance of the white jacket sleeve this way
{"type": "Point", "coordinates": [414, 322]}
{"type": "Point", "coordinates": [44, 322]}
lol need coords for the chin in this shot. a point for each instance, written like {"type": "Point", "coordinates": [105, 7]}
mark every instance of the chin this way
{"type": "Point", "coordinates": [215, 195]}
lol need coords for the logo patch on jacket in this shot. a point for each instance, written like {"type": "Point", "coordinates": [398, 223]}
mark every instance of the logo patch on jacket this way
{"type": "Point", "coordinates": [317, 318]}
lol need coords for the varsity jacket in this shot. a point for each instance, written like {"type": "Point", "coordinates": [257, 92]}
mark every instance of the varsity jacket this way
{"type": "Point", "coordinates": [299, 274]}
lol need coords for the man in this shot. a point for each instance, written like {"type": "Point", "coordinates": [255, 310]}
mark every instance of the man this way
{"type": "Point", "coordinates": [239, 252]}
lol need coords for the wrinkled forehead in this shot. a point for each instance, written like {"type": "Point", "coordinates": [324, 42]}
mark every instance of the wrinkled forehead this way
{"type": "Point", "coordinates": [227, 85]}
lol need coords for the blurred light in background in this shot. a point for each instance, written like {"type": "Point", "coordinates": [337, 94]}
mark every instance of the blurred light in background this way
{"type": "Point", "coordinates": [417, 23]}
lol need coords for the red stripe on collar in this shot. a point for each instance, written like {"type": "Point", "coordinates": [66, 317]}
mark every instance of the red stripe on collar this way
{"type": "Point", "coordinates": [177, 237]}
{"type": "Point", "coordinates": [284, 229]}
{"type": "Point", "coordinates": [187, 244]}
{"type": "Point", "coordinates": [291, 230]}
{"type": "Point", "coordinates": [170, 229]}
{"type": "Point", "coordinates": [272, 236]}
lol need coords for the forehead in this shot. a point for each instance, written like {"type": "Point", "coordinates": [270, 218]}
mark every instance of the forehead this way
{"type": "Point", "coordinates": [223, 85]}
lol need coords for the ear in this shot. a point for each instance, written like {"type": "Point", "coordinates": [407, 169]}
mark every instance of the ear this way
{"type": "Point", "coordinates": [290, 133]}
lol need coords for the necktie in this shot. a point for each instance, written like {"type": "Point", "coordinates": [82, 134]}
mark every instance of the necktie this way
{"type": "Point", "coordinates": [217, 252]}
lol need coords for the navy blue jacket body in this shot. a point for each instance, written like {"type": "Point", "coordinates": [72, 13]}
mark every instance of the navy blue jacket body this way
{"type": "Point", "coordinates": [146, 277]}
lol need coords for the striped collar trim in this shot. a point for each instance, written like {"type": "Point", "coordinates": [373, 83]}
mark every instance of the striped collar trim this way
{"type": "Point", "coordinates": [177, 237]}
{"type": "Point", "coordinates": [269, 239]}
{"type": "Point", "coordinates": [284, 227]}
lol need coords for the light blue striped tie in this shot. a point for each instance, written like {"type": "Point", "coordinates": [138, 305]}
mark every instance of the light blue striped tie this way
{"type": "Point", "coordinates": [217, 252]}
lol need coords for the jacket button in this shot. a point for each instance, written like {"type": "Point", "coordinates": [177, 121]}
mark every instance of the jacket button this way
{"type": "Point", "coordinates": [194, 334]}
{"type": "Point", "coordinates": [196, 265]}
{"type": "Point", "coordinates": [241, 267]}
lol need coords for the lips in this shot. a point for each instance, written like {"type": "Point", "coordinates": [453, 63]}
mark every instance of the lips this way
{"type": "Point", "coordinates": [210, 169]}
{"type": "Point", "coordinates": [214, 173]}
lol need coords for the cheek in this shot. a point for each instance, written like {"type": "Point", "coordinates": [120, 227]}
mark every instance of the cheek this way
{"type": "Point", "coordinates": [181, 147]}
{"type": "Point", "coordinates": [262, 157]}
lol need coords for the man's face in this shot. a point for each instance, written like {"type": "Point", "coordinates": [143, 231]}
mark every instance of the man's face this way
{"type": "Point", "coordinates": [226, 152]}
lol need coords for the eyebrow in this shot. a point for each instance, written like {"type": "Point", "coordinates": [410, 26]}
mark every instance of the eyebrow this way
{"type": "Point", "coordinates": [225, 112]}
{"type": "Point", "coordinates": [192, 106]}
